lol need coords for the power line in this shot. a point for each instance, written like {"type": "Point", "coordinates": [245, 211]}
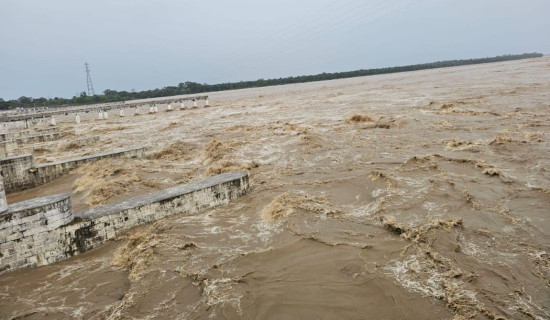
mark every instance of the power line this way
{"type": "Point", "coordinates": [335, 17]}
{"type": "Point", "coordinates": [266, 44]}
{"type": "Point", "coordinates": [365, 13]}
{"type": "Point", "coordinates": [308, 36]}
{"type": "Point", "coordinates": [338, 17]}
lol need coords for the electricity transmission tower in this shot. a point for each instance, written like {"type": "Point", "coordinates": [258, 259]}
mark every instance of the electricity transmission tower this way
{"type": "Point", "coordinates": [89, 80]}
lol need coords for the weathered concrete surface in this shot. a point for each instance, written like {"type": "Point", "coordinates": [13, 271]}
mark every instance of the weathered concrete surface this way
{"type": "Point", "coordinates": [27, 133]}
{"type": "Point", "coordinates": [31, 217]}
{"type": "Point", "coordinates": [42, 137]}
{"type": "Point", "coordinates": [7, 148]}
{"type": "Point", "coordinates": [50, 171]}
{"type": "Point", "coordinates": [3, 201]}
{"type": "Point", "coordinates": [15, 172]}
{"type": "Point", "coordinates": [22, 227]}
{"type": "Point", "coordinates": [80, 142]}
{"type": "Point", "coordinates": [40, 231]}
{"type": "Point", "coordinates": [20, 172]}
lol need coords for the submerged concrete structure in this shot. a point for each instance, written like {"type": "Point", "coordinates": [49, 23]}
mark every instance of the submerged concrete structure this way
{"type": "Point", "coordinates": [13, 141]}
{"type": "Point", "coordinates": [27, 133]}
{"type": "Point", "coordinates": [21, 173]}
{"type": "Point", "coordinates": [44, 230]}
{"type": "Point", "coordinates": [71, 143]}
{"type": "Point", "coordinates": [42, 137]}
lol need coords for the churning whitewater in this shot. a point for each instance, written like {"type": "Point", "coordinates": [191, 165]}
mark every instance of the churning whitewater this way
{"type": "Point", "coordinates": [418, 195]}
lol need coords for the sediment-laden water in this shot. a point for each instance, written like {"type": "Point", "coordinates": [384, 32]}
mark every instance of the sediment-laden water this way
{"type": "Point", "coordinates": [422, 195]}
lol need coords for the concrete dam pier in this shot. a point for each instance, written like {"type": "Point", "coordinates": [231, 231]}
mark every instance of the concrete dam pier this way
{"type": "Point", "coordinates": [21, 173]}
{"type": "Point", "coordinates": [45, 230]}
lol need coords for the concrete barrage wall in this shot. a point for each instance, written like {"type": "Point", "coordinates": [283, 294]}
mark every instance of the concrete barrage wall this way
{"type": "Point", "coordinates": [42, 137]}
{"type": "Point", "coordinates": [80, 142]}
{"type": "Point", "coordinates": [27, 133]}
{"type": "Point", "coordinates": [20, 172]}
{"type": "Point", "coordinates": [50, 171]}
{"type": "Point", "coordinates": [50, 236]}
{"type": "Point", "coordinates": [15, 172]}
{"type": "Point", "coordinates": [7, 148]}
{"type": "Point", "coordinates": [10, 142]}
{"type": "Point", "coordinates": [22, 225]}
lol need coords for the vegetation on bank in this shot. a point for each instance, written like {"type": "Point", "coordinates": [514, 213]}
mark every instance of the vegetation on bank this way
{"type": "Point", "coordinates": [193, 87]}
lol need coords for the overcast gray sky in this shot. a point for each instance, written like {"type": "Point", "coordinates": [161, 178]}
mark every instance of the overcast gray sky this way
{"type": "Point", "coordinates": [146, 44]}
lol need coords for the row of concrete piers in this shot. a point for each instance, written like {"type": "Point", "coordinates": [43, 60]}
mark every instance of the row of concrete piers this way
{"type": "Point", "coordinates": [27, 120]}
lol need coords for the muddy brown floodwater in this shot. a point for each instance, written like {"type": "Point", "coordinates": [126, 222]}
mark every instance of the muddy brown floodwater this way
{"type": "Point", "coordinates": [421, 195]}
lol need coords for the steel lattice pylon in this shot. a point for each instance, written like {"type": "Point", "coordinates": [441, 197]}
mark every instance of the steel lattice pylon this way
{"type": "Point", "coordinates": [89, 80]}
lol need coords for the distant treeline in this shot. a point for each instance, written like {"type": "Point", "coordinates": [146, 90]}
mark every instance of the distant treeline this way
{"type": "Point", "coordinates": [193, 87]}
